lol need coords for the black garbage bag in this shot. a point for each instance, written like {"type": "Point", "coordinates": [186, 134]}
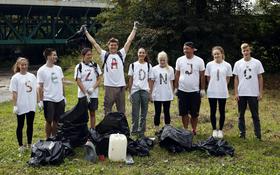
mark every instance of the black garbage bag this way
{"type": "Point", "coordinates": [215, 147]}
{"type": "Point", "coordinates": [79, 38]}
{"type": "Point", "coordinates": [114, 122]}
{"type": "Point", "coordinates": [47, 153]}
{"type": "Point", "coordinates": [175, 140]}
{"type": "Point", "coordinates": [140, 147]}
{"type": "Point", "coordinates": [72, 126]}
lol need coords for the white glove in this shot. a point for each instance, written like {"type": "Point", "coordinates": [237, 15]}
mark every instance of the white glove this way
{"type": "Point", "coordinates": [88, 97]}
{"type": "Point", "coordinates": [90, 91]}
{"type": "Point", "coordinates": [175, 91]}
{"type": "Point", "coordinates": [202, 92]}
{"type": "Point", "coordinates": [15, 110]}
{"type": "Point", "coordinates": [135, 25]}
{"type": "Point", "coordinates": [41, 105]}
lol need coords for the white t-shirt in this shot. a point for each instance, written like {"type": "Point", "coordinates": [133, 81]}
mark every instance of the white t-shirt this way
{"type": "Point", "coordinates": [247, 72]}
{"type": "Point", "coordinates": [140, 75]}
{"type": "Point", "coordinates": [113, 69]}
{"type": "Point", "coordinates": [25, 86]}
{"type": "Point", "coordinates": [162, 90]}
{"type": "Point", "coordinates": [218, 73]}
{"type": "Point", "coordinates": [189, 73]}
{"type": "Point", "coordinates": [88, 76]}
{"type": "Point", "coordinates": [51, 77]}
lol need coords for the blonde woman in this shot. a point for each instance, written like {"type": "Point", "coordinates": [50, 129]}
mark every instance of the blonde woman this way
{"type": "Point", "coordinates": [162, 94]}
{"type": "Point", "coordinates": [218, 73]}
{"type": "Point", "coordinates": [23, 88]}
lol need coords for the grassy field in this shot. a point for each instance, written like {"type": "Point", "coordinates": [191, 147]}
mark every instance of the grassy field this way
{"type": "Point", "coordinates": [251, 155]}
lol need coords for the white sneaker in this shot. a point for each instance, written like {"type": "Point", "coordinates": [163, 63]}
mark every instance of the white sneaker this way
{"type": "Point", "coordinates": [215, 133]}
{"type": "Point", "coordinates": [220, 134]}
{"type": "Point", "coordinates": [21, 149]}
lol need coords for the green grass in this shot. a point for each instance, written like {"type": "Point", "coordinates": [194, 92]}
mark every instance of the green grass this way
{"type": "Point", "coordinates": [251, 156]}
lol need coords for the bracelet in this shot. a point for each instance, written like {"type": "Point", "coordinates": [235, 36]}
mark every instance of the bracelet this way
{"type": "Point", "coordinates": [134, 28]}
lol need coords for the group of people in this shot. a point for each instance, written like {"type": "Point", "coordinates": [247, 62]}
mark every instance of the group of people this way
{"type": "Point", "coordinates": [158, 84]}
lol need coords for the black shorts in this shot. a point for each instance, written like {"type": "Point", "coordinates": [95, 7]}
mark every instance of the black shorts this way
{"type": "Point", "coordinates": [93, 105]}
{"type": "Point", "coordinates": [189, 103]}
{"type": "Point", "coordinates": [53, 110]}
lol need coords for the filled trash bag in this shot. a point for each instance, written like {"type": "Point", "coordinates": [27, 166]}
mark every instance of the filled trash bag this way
{"type": "Point", "coordinates": [90, 153]}
{"type": "Point", "coordinates": [72, 125]}
{"type": "Point", "coordinates": [79, 38]}
{"type": "Point", "coordinates": [175, 140]}
{"type": "Point", "coordinates": [47, 153]}
{"type": "Point", "coordinates": [140, 147]}
{"type": "Point", "coordinates": [112, 123]}
{"type": "Point", "coordinates": [215, 147]}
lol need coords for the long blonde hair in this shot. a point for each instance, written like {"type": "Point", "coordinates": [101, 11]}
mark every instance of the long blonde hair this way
{"type": "Point", "coordinates": [163, 54]}
{"type": "Point", "coordinates": [16, 65]}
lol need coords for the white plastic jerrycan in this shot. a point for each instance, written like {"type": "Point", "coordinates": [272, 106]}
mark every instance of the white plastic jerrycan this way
{"type": "Point", "coordinates": [117, 147]}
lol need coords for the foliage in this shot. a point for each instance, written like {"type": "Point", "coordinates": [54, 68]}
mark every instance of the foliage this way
{"type": "Point", "coordinates": [166, 25]}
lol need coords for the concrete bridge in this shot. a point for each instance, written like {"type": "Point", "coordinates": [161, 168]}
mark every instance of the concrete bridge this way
{"type": "Point", "coordinates": [46, 21]}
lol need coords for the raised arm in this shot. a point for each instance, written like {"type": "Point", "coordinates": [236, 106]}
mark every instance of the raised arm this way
{"type": "Point", "coordinates": [92, 41]}
{"type": "Point", "coordinates": [131, 37]}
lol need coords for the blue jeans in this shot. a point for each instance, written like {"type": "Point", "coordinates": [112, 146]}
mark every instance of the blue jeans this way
{"type": "Point", "coordinates": [139, 100]}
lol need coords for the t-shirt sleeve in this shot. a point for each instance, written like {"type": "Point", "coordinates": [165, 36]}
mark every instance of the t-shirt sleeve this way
{"type": "Point", "coordinates": [13, 84]}
{"type": "Point", "coordinates": [229, 70]}
{"type": "Point", "coordinates": [235, 69]}
{"type": "Point", "coordinates": [260, 68]}
{"type": "Point", "coordinates": [99, 70]}
{"type": "Point", "coordinates": [102, 55]}
{"type": "Point", "coordinates": [207, 70]}
{"type": "Point", "coordinates": [150, 71]}
{"type": "Point", "coordinates": [177, 66]}
{"type": "Point", "coordinates": [172, 76]}
{"type": "Point", "coordinates": [77, 74]}
{"type": "Point", "coordinates": [130, 71]}
{"type": "Point", "coordinates": [61, 72]}
{"type": "Point", "coordinates": [202, 65]}
{"type": "Point", "coordinates": [40, 76]}
{"type": "Point", "coordinates": [123, 53]}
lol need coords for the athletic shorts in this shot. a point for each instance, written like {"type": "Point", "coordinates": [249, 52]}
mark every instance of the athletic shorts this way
{"type": "Point", "coordinates": [53, 110]}
{"type": "Point", "coordinates": [189, 103]}
{"type": "Point", "coordinates": [93, 105]}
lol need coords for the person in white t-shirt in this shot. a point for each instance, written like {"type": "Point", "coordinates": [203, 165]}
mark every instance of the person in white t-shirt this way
{"type": "Point", "coordinates": [248, 89]}
{"type": "Point", "coordinates": [139, 74]}
{"type": "Point", "coordinates": [113, 64]}
{"type": "Point", "coordinates": [51, 91]}
{"type": "Point", "coordinates": [218, 73]}
{"type": "Point", "coordinates": [88, 76]}
{"type": "Point", "coordinates": [190, 81]}
{"type": "Point", "coordinates": [162, 94]}
{"type": "Point", "coordinates": [23, 87]}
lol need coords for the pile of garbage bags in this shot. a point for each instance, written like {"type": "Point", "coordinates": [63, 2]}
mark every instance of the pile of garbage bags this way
{"type": "Point", "coordinates": [179, 140]}
{"type": "Point", "coordinates": [72, 132]}
{"type": "Point", "coordinates": [116, 123]}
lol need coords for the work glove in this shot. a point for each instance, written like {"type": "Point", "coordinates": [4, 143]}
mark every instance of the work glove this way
{"type": "Point", "coordinates": [41, 105]}
{"type": "Point", "coordinates": [15, 110]}
{"type": "Point", "coordinates": [202, 93]}
{"type": "Point", "coordinates": [90, 91]}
